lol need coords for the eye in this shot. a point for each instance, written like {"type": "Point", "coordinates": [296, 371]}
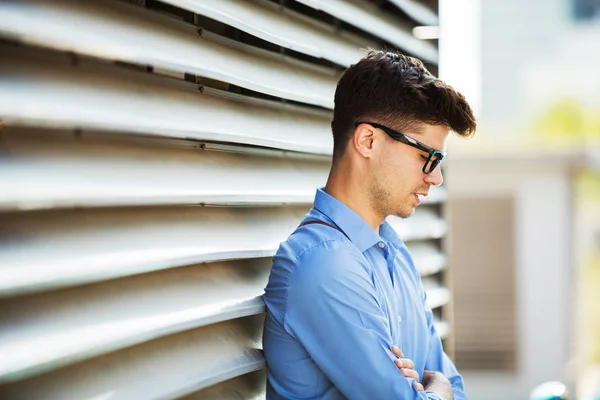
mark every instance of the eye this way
{"type": "Point", "coordinates": [424, 157]}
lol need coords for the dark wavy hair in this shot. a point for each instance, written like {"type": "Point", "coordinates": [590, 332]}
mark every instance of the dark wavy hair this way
{"type": "Point", "coordinates": [398, 91]}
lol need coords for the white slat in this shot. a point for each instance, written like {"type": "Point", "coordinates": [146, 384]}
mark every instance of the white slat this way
{"type": "Point", "coordinates": [170, 367]}
{"type": "Point", "coordinates": [45, 90]}
{"type": "Point", "coordinates": [424, 224]}
{"type": "Point", "coordinates": [250, 386]}
{"type": "Point", "coordinates": [88, 321]}
{"type": "Point", "coordinates": [91, 320]}
{"type": "Point", "coordinates": [370, 19]}
{"type": "Point", "coordinates": [417, 11]}
{"type": "Point", "coordinates": [123, 242]}
{"type": "Point", "coordinates": [54, 249]}
{"type": "Point", "coordinates": [281, 26]}
{"type": "Point", "coordinates": [114, 282]}
{"type": "Point", "coordinates": [45, 169]}
{"type": "Point", "coordinates": [428, 258]}
{"type": "Point", "coordinates": [437, 295]}
{"type": "Point", "coordinates": [437, 194]}
{"type": "Point", "coordinates": [443, 328]}
{"type": "Point", "coordinates": [119, 31]}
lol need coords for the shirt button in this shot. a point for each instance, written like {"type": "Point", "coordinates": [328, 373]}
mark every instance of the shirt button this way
{"type": "Point", "coordinates": [381, 245]}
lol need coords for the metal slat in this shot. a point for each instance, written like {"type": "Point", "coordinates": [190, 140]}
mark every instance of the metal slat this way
{"type": "Point", "coordinates": [91, 320]}
{"type": "Point", "coordinates": [41, 170]}
{"type": "Point", "coordinates": [44, 169]}
{"type": "Point", "coordinates": [424, 224]}
{"type": "Point", "coordinates": [443, 328]}
{"type": "Point", "coordinates": [281, 26]}
{"type": "Point", "coordinates": [428, 258]}
{"type": "Point", "coordinates": [437, 194]}
{"type": "Point", "coordinates": [417, 11]}
{"type": "Point", "coordinates": [42, 89]}
{"type": "Point", "coordinates": [46, 250]}
{"type": "Point", "coordinates": [371, 19]}
{"type": "Point", "coordinates": [170, 367]}
{"type": "Point", "coordinates": [250, 386]}
{"type": "Point", "coordinates": [119, 31]}
{"type": "Point", "coordinates": [86, 143]}
{"type": "Point", "coordinates": [437, 295]}
{"type": "Point", "coordinates": [45, 332]}
{"type": "Point", "coordinates": [179, 365]}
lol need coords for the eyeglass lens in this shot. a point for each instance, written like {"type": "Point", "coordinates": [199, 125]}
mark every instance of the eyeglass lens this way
{"type": "Point", "coordinates": [432, 162]}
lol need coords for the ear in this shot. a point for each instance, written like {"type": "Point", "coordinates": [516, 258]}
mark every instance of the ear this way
{"type": "Point", "coordinates": [363, 140]}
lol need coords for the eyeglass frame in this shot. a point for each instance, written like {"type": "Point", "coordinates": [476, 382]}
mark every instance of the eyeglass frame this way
{"type": "Point", "coordinates": [401, 137]}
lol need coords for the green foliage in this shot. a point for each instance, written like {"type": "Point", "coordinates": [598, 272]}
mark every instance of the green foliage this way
{"type": "Point", "coordinates": [568, 119]}
{"type": "Point", "coordinates": [587, 190]}
{"type": "Point", "coordinates": [587, 186]}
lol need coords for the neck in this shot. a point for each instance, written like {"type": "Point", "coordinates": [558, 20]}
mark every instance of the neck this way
{"type": "Point", "coordinates": [347, 187]}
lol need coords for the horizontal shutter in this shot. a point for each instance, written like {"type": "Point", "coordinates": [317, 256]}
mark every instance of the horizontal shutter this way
{"type": "Point", "coordinates": [153, 155]}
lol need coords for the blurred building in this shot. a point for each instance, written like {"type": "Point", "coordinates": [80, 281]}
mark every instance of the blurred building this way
{"type": "Point", "coordinates": [531, 69]}
{"type": "Point", "coordinates": [546, 53]}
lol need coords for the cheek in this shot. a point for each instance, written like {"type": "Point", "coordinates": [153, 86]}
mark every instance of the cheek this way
{"type": "Point", "coordinates": [402, 166]}
{"type": "Point", "coordinates": [407, 179]}
{"type": "Point", "coordinates": [399, 171]}
{"type": "Point", "coordinates": [404, 160]}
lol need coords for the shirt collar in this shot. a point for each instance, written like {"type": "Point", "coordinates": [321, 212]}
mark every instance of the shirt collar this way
{"type": "Point", "coordinates": [386, 231]}
{"type": "Point", "coordinates": [349, 222]}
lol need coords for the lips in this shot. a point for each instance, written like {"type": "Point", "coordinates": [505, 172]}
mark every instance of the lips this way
{"type": "Point", "coordinates": [419, 196]}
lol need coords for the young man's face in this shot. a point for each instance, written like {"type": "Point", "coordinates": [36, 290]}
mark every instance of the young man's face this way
{"type": "Point", "coordinates": [399, 183]}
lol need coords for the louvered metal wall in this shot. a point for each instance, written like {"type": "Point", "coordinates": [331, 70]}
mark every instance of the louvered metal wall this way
{"type": "Point", "coordinates": [152, 157]}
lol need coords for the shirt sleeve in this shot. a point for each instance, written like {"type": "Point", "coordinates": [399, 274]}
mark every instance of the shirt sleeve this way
{"type": "Point", "coordinates": [333, 310]}
{"type": "Point", "coordinates": [438, 360]}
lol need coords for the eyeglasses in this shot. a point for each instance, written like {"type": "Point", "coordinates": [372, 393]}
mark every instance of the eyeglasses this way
{"type": "Point", "coordinates": [435, 156]}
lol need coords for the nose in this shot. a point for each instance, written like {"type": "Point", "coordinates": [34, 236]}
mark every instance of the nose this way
{"type": "Point", "coordinates": [435, 178]}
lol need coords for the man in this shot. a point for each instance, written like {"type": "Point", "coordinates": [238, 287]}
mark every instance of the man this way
{"type": "Point", "coordinates": [345, 303]}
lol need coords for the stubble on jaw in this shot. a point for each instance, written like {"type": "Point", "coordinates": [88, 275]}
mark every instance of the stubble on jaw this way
{"type": "Point", "coordinates": [383, 203]}
{"type": "Point", "coordinates": [381, 199]}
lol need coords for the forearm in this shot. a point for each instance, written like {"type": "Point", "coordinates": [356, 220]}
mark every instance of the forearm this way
{"type": "Point", "coordinates": [438, 360]}
{"type": "Point", "coordinates": [438, 387]}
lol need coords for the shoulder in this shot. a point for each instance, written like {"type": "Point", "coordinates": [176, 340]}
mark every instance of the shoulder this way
{"type": "Point", "coordinates": [330, 264]}
{"type": "Point", "coordinates": [315, 259]}
{"type": "Point", "coordinates": [332, 275]}
{"type": "Point", "coordinates": [313, 249]}
{"type": "Point", "coordinates": [314, 235]}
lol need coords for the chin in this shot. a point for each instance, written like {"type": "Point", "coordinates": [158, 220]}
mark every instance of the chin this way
{"type": "Point", "coordinates": [405, 213]}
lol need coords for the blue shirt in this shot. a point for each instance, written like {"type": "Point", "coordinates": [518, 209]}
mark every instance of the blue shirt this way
{"type": "Point", "coordinates": [337, 299]}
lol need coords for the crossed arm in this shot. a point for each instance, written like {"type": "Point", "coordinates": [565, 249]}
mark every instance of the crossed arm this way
{"type": "Point", "coordinates": [434, 382]}
{"type": "Point", "coordinates": [333, 311]}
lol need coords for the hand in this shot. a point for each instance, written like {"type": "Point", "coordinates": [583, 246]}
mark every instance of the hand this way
{"type": "Point", "coordinates": [436, 382]}
{"type": "Point", "coordinates": [407, 367]}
